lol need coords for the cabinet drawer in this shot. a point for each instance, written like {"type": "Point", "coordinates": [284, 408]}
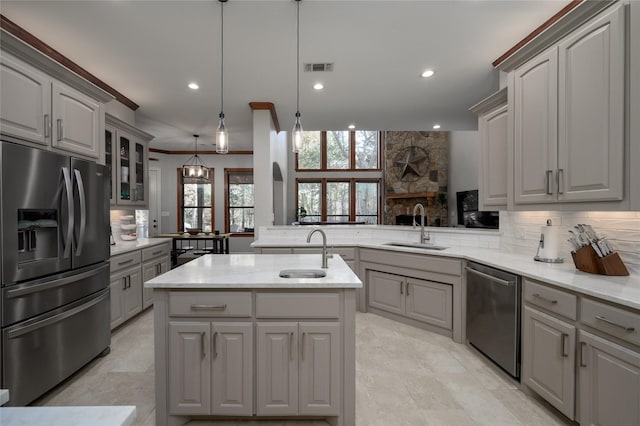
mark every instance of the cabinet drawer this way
{"type": "Point", "coordinates": [125, 260]}
{"type": "Point", "coordinates": [551, 299]}
{"type": "Point", "coordinates": [297, 305]}
{"type": "Point", "coordinates": [155, 251]}
{"type": "Point", "coordinates": [210, 304]}
{"type": "Point", "coordinates": [612, 320]}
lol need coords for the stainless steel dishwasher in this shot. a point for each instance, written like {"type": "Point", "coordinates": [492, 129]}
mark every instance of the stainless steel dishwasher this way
{"type": "Point", "coordinates": [493, 315]}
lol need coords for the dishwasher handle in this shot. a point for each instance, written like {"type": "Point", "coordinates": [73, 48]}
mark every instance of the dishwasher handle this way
{"type": "Point", "coordinates": [491, 277]}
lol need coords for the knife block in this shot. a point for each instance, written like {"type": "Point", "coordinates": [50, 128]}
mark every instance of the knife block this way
{"type": "Point", "coordinates": [586, 260]}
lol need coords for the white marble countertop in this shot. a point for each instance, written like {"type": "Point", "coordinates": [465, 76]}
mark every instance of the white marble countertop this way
{"type": "Point", "coordinates": [68, 416]}
{"type": "Point", "coordinates": [4, 396]}
{"type": "Point", "coordinates": [127, 246]}
{"type": "Point", "coordinates": [215, 271]}
{"type": "Point", "coordinates": [621, 290]}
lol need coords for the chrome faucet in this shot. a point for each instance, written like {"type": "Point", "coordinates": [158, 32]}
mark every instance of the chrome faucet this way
{"type": "Point", "coordinates": [423, 238]}
{"type": "Point", "coordinates": [324, 246]}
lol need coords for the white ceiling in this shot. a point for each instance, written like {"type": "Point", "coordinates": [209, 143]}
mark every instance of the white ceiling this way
{"type": "Point", "coordinates": [150, 50]}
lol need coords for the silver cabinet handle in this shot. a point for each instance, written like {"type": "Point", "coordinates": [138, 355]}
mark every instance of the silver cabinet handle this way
{"type": "Point", "coordinates": [124, 283]}
{"type": "Point", "coordinates": [125, 262]}
{"type": "Point", "coordinates": [60, 129]}
{"type": "Point", "coordinates": [549, 174]}
{"type": "Point", "coordinates": [582, 362]}
{"type": "Point", "coordinates": [208, 307]}
{"type": "Point", "coordinates": [401, 285]}
{"type": "Point", "coordinates": [564, 337]}
{"type": "Point", "coordinates": [615, 324]}
{"type": "Point", "coordinates": [128, 281]}
{"type": "Point", "coordinates": [215, 345]}
{"type": "Point", "coordinates": [559, 179]}
{"type": "Point", "coordinates": [155, 253]}
{"type": "Point", "coordinates": [202, 347]}
{"type": "Point", "coordinates": [407, 284]}
{"type": "Point", "coordinates": [304, 334]}
{"type": "Point", "coordinates": [491, 278]}
{"type": "Point", "coordinates": [291, 346]}
{"type": "Point", "coordinates": [47, 125]}
{"type": "Point", "coordinates": [544, 299]}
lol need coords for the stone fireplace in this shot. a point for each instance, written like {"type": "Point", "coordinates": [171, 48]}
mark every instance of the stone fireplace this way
{"type": "Point", "coordinates": [416, 170]}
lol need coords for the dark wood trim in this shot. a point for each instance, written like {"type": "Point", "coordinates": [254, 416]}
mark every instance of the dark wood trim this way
{"type": "Point", "coordinates": [269, 106]}
{"type": "Point", "coordinates": [411, 195]}
{"type": "Point", "coordinates": [243, 234]}
{"type": "Point", "coordinates": [31, 40]}
{"type": "Point", "coordinates": [182, 152]}
{"type": "Point", "coordinates": [226, 200]}
{"type": "Point", "coordinates": [537, 31]}
{"type": "Point", "coordinates": [179, 199]}
{"type": "Point", "coordinates": [153, 159]}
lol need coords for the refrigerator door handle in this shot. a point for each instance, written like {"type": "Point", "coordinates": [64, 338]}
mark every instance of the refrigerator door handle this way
{"type": "Point", "coordinates": [83, 211]}
{"type": "Point", "coordinates": [69, 191]}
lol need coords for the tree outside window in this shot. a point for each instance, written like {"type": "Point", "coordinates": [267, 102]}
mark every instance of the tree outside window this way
{"type": "Point", "coordinates": [239, 201]}
{"type": "Point", "coordinates": [195, 210]}
{"type": "Point", "coordinates": [339, 150]}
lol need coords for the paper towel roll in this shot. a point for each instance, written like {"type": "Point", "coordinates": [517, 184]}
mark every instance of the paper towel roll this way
{"type": "Point", "coordinates": [551, 242]}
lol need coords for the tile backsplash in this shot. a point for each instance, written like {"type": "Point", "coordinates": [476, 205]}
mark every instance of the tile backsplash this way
{"type": "Point", "coordinates": [521, 231]}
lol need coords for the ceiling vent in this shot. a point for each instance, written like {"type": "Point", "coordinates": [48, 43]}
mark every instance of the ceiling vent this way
{"type": "Point", "coordinates": [318, 67]}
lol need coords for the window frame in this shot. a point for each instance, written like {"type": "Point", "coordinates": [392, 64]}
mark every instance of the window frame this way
{"type": "Point", "coordinates": [180, 200]}
{"type": "Point", "coordinates": [352, 194]}
{"type": "Point", "coordinates": [352, 155]}
{"type": "Point", "coordinates": [226, 202]}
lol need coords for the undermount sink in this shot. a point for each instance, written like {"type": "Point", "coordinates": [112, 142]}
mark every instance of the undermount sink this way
{"type": "Point", "coordinates": [302, 273]}
{"type": "Point", "coordinates": [415, 245]}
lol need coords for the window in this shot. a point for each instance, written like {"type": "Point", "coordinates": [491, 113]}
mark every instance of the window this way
{"type": "Point", "coordinates": [239, 201]}
{"type": "Point", "coordinates": [339, 200]}
{"type": "Point", "coordinates": [339, 150]}
{"type": "Point", "coordinates": [194, 199]}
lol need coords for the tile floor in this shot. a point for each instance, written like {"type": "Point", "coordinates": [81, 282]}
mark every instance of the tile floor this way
{"type": "Point", "coordinates": [405, 376]}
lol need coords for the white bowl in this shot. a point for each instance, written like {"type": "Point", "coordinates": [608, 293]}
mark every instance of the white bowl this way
{"type": "Point", "coordinates": [126, 217]}
{"type": "Point", "coordinates": [127, 237]}
{"type": "Point", "coordinates": [128, 227]}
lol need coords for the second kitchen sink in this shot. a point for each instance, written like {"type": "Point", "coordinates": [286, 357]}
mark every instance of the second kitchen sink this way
{"type": "Point", "coordinates": [302, 273]}
{"type": "Point", "coordinates": [415, 245]}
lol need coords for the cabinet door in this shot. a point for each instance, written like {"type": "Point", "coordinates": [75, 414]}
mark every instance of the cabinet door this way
{"type": "Point", "coordinates": [386, 291]}
{"type": "Point", "coordinates": [591, 111]}
{"type": "Point", "coordinates": [189, 368]}
{"type": "Point", "coordinates": [110, 160]}
{"type": "Point", "coordinates": [535, 114]}
{"type": "Point", "coordinates": [139, 176]}
{"type": "Point", "coordinates": [232, 369]}
{"type": "Point", "coordinates": [609, 382]}
{"type": "Point", "coordinates": [493, 129]}
{"type": "Point", "coordinates": [548, 361]}
{"type": "Point", "coordinates": [25, 101]}
{"type": "Point", "coordinates": [117, 286]}
{"type": "Point", "coordinates": [77, 121]}
{"type": "Point", "coordinates": [430, 302]}
{"type": "Point", "coordinates": [124, 152]}
{"type": "Point", "coordinates": [132, 296]}
{"type": "Point", "coordinates": [149, 270]}
{"type": "Point", "coordinates": [277, 368]}
{"type": "Point", "coordinates": [320, 357]}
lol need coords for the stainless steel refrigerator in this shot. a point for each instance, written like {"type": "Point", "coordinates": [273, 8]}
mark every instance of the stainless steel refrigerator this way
{"type": "Point", "coordinates": [54, 230]}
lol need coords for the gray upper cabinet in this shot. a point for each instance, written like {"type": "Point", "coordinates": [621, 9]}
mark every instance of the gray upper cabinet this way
{"type": "Point", "coordinates": [568, 106]}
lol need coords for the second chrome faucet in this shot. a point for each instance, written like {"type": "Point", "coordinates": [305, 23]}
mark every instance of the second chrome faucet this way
{"type": "Point", "coordinates": [325, 255]}
{"type": "Point", "coordinates": [423, 238]}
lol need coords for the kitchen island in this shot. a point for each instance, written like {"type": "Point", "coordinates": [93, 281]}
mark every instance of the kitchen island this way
{"type": "Point", "coordinates": [233, 339]}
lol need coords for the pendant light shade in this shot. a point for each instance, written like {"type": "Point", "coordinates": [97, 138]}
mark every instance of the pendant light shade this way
{"type": "Point", "coordinates": [297, 135]}
{"type": "Point", "coordinates": [222, 136]}
{"type": "Point", "coordinates": [195, 167]}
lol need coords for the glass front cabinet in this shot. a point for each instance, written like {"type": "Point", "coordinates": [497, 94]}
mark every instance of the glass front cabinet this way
{"type": "Point", "coordinates": [127, 157]}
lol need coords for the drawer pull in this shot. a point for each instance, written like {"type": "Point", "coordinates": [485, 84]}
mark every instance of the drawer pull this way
{"type": "Point", "coordinates": [156, 252]}
{"type": "Point", "coordinates": [564, 337]}
{"type": "Point", "coordinates": [615, 324]}
{"type": "Point", "coordinates": [208, 307]}
{"type": "Point", "coordinates": [125, 262]}
{"type": "Point", "coordinates": [544, 299]}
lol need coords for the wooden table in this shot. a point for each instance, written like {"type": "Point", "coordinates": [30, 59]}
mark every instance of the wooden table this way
{"type": "Point", "coordinates": [182, 244]}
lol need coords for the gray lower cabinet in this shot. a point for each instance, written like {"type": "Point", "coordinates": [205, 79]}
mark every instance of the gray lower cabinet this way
{"type": "Point", "coordinates": [426, 301]}
{"type": "Point", "coordinates": [155, 261]}
{"type": "Point", "coordinates": [126, 295]}
{"type": "Point", "coordinates": [548, 363]}
{"type": "Point", "coordinates": [211, 368]}
{"type": "Point", "coordinates": [609, 382]}
{"type": "Point", "coordinates": [298, 368]}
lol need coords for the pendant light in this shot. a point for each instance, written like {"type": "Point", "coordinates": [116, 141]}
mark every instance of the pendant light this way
{"type": "Point", "coordinates": [297, 134]}
{"type": "Point", "coordinates": [222, 136]}
{"type": "Point", "coordinates": [195, 167]}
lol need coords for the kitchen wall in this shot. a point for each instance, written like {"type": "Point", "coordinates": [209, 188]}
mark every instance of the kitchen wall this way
{"type": "Point", "coordinates": [521, 231]}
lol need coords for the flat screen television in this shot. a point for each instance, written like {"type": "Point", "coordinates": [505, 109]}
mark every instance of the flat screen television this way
{"type": "Point", "coordinates": [468, 214]}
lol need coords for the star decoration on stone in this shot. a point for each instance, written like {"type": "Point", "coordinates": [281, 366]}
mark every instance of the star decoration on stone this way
{"type": "Point", "coordinates": [412, 162]}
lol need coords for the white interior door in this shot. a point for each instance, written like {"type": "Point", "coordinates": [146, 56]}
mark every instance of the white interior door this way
{"type": "Point", "coordinates": [154, 201]}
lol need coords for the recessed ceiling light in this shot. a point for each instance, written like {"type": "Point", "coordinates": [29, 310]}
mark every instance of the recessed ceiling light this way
{"type": "Point", "coordinates": [318, 86]}
{"type": "Point", "coordinates": [436, 126]}
{"type": "Point", "coordinates": [193, 86]}
{"type": "Point", "coordinates": [352, 126]}
{"type": "Point", "coordinates": [427, 73]}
